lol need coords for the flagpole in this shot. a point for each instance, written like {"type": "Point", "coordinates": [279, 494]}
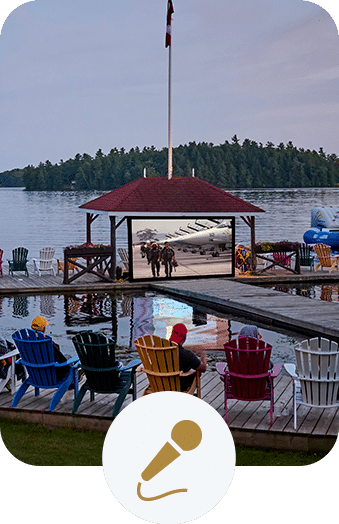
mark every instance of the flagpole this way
{"type": "Point", "coordinates": [170, 163]}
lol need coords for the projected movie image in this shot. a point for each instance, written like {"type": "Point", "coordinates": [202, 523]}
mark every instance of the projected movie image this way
{"type": "Point", "coordinates": [181, 248]}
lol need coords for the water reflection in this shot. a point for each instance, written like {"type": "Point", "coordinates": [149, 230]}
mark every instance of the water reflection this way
{"type": "Point", "coordinates": [125, 316]}
{"type": "Point", "coordinates": [327, 292]}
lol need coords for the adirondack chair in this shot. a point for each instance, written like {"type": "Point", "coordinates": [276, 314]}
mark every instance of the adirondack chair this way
{"type": "Point", "coordinates": [11, 371]}
{"type": "Point", "coordinates": [44, 265]}
{"type": "Point", "coordinates": [248, 376]}
{"type": "Point", "coordinates": [97, 358]}
{"type": "Point", "coordinates": [71, 267]}
{"type": "Point", "coordinates": [37, 355]}
{"type": "Point", "coordinates": [282, 258]}
{"type": "Point", "coordinates": [325, 260]}
{"type": "Point", "coordinates": [123, 254]}
{"type": "Point", "coordinates": [316, 376]}
{"type": "Point", "coordinates": [1, 253]}
{"type": "Point", "coordinates": [306, 259]}
{"type": "Point", "coordinates": [160, 359]}
{"type": "Point", "coordinates": [19, 262]}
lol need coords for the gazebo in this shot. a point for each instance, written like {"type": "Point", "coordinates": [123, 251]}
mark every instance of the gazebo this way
{"type": "Point", "coordinates": [163, 198]}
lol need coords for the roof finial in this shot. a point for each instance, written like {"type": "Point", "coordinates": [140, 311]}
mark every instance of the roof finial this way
{"type": "Point", "coordinates": [145, 172]}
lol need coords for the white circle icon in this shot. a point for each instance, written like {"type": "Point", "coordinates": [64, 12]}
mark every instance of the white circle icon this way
{"type": "Point", "coordinates": [169, 457]}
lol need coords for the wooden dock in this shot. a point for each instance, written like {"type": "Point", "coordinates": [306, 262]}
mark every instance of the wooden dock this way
{"type": "Point", "coordinates": [248, 421]}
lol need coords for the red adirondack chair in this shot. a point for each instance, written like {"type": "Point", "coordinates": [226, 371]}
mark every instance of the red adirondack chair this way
{"type": "Point", "coordinates": [248, 376]}
{"type": "Point", "coordinates": [1, 253]}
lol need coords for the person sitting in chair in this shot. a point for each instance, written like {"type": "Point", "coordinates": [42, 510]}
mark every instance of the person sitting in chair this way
{"type": "Point", "coordinates": [39, 323]}
{"type": "Point", "coordinates": [187, 359]}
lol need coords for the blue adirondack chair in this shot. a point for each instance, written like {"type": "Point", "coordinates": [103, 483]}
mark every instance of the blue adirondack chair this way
{"type": "Point", "coordinates": [97, 358]}
{"type": "Point", "coordinates": [19, 262]}
{"type": "Point", "coordinates": [37, 355]}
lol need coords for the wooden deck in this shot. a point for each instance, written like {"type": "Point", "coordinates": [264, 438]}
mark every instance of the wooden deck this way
{"type": "Point", "coordinates": [248, 421]}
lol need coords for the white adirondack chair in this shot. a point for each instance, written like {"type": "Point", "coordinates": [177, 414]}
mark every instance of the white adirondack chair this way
{"type": "Point", "coordinates": [11, 371]}
{"type": "Point", "coordinates": [44, 264]}
{"type": "Point", "coordinates": [123, 254]}
{"type": "Point", "coordinates": [316, 379]}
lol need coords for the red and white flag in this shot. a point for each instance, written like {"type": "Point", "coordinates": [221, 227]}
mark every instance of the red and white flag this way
{"type": "Point", "coordinates": [170, 11]}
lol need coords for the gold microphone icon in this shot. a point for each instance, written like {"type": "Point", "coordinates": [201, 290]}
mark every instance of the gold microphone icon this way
{"type": "Point", "coordinates": [187, 435]}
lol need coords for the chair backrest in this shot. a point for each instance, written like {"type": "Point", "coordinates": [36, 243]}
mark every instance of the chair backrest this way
{"type": "Point", "coordinates": [282, 258]}
{"type": "Point", "coordinates": [324, 254]}
{"type": "Point", "coordinates": [20, 257]}
{"type": "Point", "coordinates": [160, 359]}
{"type": "Point", "coordinates": [305, 255]}
{"type": "Point", "coordinates": [123, 254]}
{"type": "Point", "coordinates": [46, 258]}
{"type": "Point", "coordinates": [318, 371]}
{"type": "Point", "coordinates": [37, 353]}
{"type": "Point", "coordinates": [97, 357]}
{"type": "Point", "coordinates": [248, 361]}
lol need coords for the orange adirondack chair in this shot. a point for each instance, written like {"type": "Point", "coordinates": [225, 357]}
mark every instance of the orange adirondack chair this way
{"type": "Point", "coordinates": [325, 260]}
{"type": "Point", "coordinates": [160, 360]}
{"type": "Point", "coordinates": [71, 267]}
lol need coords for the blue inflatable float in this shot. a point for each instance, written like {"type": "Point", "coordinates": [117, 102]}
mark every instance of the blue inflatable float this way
{"type": "Point", "coordinates": [324, 227]}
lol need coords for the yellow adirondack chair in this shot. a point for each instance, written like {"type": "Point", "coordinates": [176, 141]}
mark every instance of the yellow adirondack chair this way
{"type": "Point", "coordinates": [160, 361]}
{"type": "Point", "coordinates": [71, 267]}
{"type": "Point", "coordinates": [325, 260]}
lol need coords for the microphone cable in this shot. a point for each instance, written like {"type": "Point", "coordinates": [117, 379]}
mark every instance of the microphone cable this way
{"type": "Point", "coordinates": [157, 497]}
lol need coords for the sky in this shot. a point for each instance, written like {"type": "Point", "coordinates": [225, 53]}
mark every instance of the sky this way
{"type": "Point", "coordinates": [78, 75]}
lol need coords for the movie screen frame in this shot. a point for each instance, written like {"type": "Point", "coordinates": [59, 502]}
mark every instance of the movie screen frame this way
{"type": "Point", "coordinates": [193, 260]}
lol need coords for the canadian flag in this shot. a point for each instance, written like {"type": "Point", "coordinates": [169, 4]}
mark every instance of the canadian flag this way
{"type": "Point", "coordinates": [170, 11]}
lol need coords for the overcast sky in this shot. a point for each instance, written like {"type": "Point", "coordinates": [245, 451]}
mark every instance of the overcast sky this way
{"type": "Point", "coordinates": [79, 75]}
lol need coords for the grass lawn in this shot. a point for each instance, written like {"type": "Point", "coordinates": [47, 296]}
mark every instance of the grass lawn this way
{"type": "Point", "coordinates": [36, 445]}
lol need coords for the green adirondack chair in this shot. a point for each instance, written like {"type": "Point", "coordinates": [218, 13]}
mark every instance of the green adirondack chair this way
{"type": "Point", "coordinates": [19, 262]}
{"type": "Point", "coordinates": [103, 374]}
{"type": "Point", "coordinates": [306, 259]}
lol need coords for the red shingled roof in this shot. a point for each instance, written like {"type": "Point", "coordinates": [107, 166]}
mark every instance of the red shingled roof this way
{"type": "Point", "coordinates": [179, 195]}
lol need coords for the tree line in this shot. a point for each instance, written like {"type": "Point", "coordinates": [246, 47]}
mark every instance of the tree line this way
{"type": "Point", "coordinates": [229, 165]}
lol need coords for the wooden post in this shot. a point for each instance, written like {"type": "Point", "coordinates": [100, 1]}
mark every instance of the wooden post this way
{"type": "Point", "coordinates": [253, 257]}
{"type": "Point", "coordinates": [114, 254]}
{"type": "Point", "coordinates": [88, 227]}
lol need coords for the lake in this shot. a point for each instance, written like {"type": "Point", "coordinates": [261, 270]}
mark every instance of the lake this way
{"type": "Point", "coordinates": [40, 219]}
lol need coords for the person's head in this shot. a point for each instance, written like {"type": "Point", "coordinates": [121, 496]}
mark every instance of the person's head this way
{"type": "Point", "coordinates": [166, 244]}
{"type": "Point", "coordinates": [179, 332]}
{"type": "Point", "coordinates": [249, 331]}
{"type": "Point", "coordinates": [39, 324]}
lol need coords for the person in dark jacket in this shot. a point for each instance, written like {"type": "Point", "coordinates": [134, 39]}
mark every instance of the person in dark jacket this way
{"type": "Point", "coordinates": [154, 257]}
{"type": "Point", "coordinates": [167, 256]}
{"type": "Point", "coordinates": [187, 359]}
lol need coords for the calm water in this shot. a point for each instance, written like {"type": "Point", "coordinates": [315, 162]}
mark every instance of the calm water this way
{"type": "Point", "coordinates": [328, 292]}
{"type": "Point", "coordinates": [40, 219]}
{"type": "Point", "coordinates": [126, 316]}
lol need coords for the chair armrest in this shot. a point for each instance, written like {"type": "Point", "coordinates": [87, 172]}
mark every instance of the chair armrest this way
{"type": "Point", "coordinates": [68, 362]}
{"type": "Point", "coordinates": [275, 371]}
{"type": "Point", "coordinates": [12, 353]}
{"type": "Point", "coordinates": [291, 370]}
{"type": "Point", "coordinates": [140, 369]}
{"type": "Point", "coordinates": [132, 365]}
{"type": "Point", "coordinates": [189, 373]}
{"type": "Point", "coordinates": [221, 368]}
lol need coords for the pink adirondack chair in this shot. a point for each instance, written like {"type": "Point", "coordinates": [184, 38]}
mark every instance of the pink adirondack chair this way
{"type": "Point", "coordinates": [282, 258]}
{"type": "Point", "coordinates": [248, 376]}
{"type": "Point", "coordinates": [1, 253]}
